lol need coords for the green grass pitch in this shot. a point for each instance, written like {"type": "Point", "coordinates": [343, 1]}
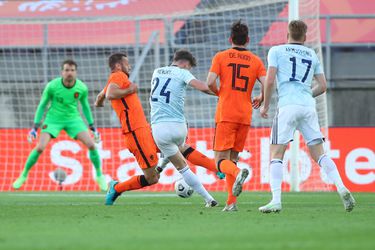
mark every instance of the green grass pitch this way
{"type": "Point", "coordinates": [69, 220]}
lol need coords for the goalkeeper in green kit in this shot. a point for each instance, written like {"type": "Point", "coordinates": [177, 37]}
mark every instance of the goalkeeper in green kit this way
{"type": "Point", "coordinates": [63, 114]}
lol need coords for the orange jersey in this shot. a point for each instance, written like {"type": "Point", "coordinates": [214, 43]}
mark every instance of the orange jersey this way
{"type": "Point", "coordinates": [128, 109]}
{"type": "Point", "coordinates": [238, 70]}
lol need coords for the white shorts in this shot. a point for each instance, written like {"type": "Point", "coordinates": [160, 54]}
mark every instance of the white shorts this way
{"type": "Point", "coordinates": [292, 117]}
{"type": "Point", "coordinates": [169, 136]}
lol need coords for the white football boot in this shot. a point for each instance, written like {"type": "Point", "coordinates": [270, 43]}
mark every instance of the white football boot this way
{"type": "Point", "coordinates": [230, 208]}
{"type": "Point", "coordinates": [240, 179]}
{"type": "Point", "coordinates": [347, 199]}
{"type": "Point", "coordinates": [271, 208]}
{"type": "Point", "coordinates": [212, 203]}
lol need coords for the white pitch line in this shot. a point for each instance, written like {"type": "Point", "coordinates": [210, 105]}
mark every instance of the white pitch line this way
{"type": "Point", "coordinates": [75, 204]}
{"type": "Point", "coordinates": [144, 195]}
{"type": "Point", "coordinates": [87, 195]}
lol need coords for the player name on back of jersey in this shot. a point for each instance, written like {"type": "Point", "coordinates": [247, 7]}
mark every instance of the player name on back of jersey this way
{"type": "Point", "coordinates": [164, 71]}
{"type": "Point", "coordinates": [302, 52]}
{"type": "Point", "coordinates": [239, 56]}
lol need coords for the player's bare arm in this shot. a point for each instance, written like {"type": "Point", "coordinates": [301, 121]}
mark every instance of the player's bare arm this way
{"type": "Point", "coordinates": [211, 82]}
{"type": "Point", "coordinates": [201, 86]}
{"type": "Point", "coordinates": [100, 98]}
{"type": "Point", "coordinates": [115, 92]}
{"type": "Point", "coordinates": [321, 85]}
{"type": "Point", "coordinates": [257, 100]}
{"type": "Point", "coordinates": [269, 85]}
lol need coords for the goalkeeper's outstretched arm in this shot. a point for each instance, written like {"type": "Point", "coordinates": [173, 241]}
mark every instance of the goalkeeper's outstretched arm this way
{"type": "Point", "coordinates": [46, 97]}
{"type": "Point", "coordinates": [32, 135]}
{"type": "Point", "coordinates": [86, 108]}
{"type": "Point", "coordinates": [88, 115]}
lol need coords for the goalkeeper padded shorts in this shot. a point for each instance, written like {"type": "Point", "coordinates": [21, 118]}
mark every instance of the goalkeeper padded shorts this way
{"type": "Point", "coordinates": [72, 127]}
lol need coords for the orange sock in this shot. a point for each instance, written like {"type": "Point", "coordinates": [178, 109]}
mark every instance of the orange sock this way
{"type": "Point", "coordinates": [136, 182]}
{"type": "Point", "coordinates": [228, 167]}
{"type": "Point", "coordinates": [229, 180]}
{"type": "Point", "coordinates": [199, 159]}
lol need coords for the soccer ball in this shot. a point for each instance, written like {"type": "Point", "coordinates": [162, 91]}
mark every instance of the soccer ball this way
{"type": "Point", "coordinates": [60, 175]}
{"type": "Point", "coordinates": [183, 189]}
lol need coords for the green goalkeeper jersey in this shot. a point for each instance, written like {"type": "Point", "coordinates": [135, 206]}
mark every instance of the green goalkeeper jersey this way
{"type": "Point", "coordinates": [64, 102]}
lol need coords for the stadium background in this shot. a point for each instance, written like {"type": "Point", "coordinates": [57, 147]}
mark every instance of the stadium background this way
{"type": "Point", "coordinates": [31, 51]}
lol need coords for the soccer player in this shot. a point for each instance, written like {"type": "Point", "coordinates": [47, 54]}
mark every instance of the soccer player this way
{"type": "Point", "coordinates": [64, 93]}
{"type": "Point", "coordinates": [167, 115]}
{"type": "Point", "coordinates": [192, 155]}
{"type": "Point", "coordinates": [136, 131]}
{"type": "Point", "coordinates": [294, 66]}
{"type": "Point", "coordinates": [238, 70]}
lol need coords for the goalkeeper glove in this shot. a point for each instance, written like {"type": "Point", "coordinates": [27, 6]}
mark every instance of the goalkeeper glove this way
{"type": "Point", "coordinates": [96, 134]}
{"type": "Point", "coordinates": [32, 135]}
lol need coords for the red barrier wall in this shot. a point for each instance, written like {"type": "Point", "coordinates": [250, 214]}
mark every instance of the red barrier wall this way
{"type": "Point", "coordinates": [351, 148]}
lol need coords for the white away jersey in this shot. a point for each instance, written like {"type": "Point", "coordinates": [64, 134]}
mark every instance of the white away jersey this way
{"type": "Point", "coordinates": [296, 66]}
{"type": "Point", "coordinates": [167, 98]}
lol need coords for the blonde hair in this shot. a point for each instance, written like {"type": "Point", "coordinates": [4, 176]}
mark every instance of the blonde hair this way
{"type": "Point", "coordinates": [297, 30]}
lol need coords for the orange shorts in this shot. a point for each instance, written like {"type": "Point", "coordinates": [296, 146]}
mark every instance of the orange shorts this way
{"type": "Point", "coordinates": [229, 135]}
{"type": "Point", "coordinates": [142, 145]}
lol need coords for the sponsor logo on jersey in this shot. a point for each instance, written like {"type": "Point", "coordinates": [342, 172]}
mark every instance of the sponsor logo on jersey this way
{"type": "Point", "coordinates": [76, 94]}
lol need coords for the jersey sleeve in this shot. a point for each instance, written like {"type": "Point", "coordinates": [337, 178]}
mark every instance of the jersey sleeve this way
{"type": "Point", "coordinates": [272, 57]}
{"type": "Point", "coordinates": [86, 107]}
{"type": "Point", "coordinates": [187, 77]}
{"type": "Point", "coordinates": [215, 65]}
{"type": "Point", "coordinates": [46, 97]}
{"type": "Point", "coordinates": [318, 67]}
{"type": "Point", "coordinates": [120, 79]}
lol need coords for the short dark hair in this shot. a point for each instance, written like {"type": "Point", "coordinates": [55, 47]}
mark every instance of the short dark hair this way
{"type": "Point", "coordinates": [69, 62]}
{"type": "Point", "coordinates": [184, 54]}
{"type": "Point", "coordinates": [115, 58]}
{"type": "Point", "coordinates": [239, 33]}
{"type": "Point", "coordinates": [297, 29]}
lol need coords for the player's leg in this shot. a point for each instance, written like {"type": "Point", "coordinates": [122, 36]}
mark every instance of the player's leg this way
{"type": "Point", "coordinates": [196, 158]}
{"type": "Point", "coordinates": [149, 177]}
{"type": "Point", "coordinates": [163, 164]}
{"type": "Point", "coordinates": [327, 164]}
{"type": "Point", "coordinates": [32, 159]}
{"type": "Point", "coordinates": [199, 159]}
{"type": "Point", "coordinates": [309, 127]}
{"type": "Point", "coordinates": [276, 178]}
{"type": "Point", "coordinates": [88, 141]}
{"type": "Point", "coordinates": [231, 203]}
{"type": "Point", "coordinates": [115, 189]}
{"type": "Point", "coordinates": [282, 132]}
{"type": "Point", "coordinates": [235, 177]}
{"type": "Point", "coordinates": [230, 137]}
{"type": "Point", "coordinates": [141, 144]}
{"type": "Point", "coordinates": [224, 141]}
{"type": "Point", "coordinates": [169, 137]}
{"type": "Point", "coordinates": [238, 146]}
{"type": "Point", "coordinates": [190, 178]}
{"type": "Point", "coordinates": [234, 156]}
{"type": "Point", "coordinates": [330, 168]}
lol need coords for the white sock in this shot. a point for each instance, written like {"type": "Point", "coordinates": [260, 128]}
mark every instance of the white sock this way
{"type": "Point", "coordinates": [329, 167]}
{"type": "Point", "coordinates": [164, 162]}
{"type": "Point", "coordinates": [192, 180]}
{"type": "Point", "coordinates": [276, 178]}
